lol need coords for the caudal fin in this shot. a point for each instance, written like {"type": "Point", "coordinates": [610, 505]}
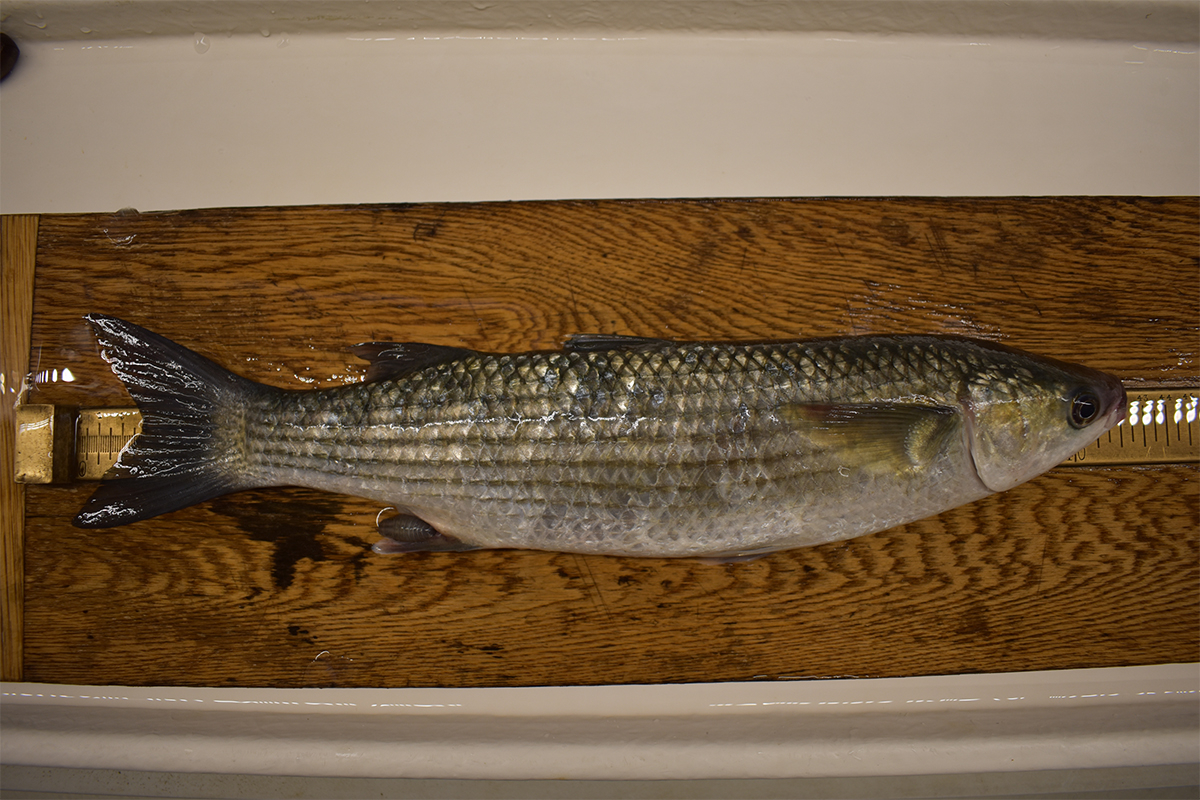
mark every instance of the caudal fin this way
{"type": "Point", "coordinates": [185, 453]}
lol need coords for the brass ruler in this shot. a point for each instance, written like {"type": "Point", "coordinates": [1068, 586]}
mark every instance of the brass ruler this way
{"type": "Point", "coordinates": [56, 445]}
{"type": "Point", "coordinates": [1160, 427]}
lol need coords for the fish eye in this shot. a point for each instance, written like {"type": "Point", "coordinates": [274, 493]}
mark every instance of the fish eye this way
{"type": "Point", "coordinates": [1085, 407]}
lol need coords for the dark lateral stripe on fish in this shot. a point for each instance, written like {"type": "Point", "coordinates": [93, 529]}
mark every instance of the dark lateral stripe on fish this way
{"type": "Point", "coordinates": [417, 463]}
{"type": "Point", "coordinates": [688, 483]}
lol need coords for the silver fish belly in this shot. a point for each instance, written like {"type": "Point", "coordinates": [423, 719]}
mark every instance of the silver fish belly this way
{"type": "Point", "coordinates": [615, 445]}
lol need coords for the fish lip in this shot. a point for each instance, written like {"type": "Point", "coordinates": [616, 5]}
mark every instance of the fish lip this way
{"type": "Point", "coordinates": [1114, 399]}
{"type": "Point", "coordinates": [1116, 394]}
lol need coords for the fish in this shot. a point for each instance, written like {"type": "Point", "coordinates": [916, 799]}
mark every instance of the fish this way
{"type": "Point", "coordinates": [611, 445]}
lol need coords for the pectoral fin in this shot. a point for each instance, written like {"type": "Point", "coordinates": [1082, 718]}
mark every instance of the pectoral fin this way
{"type": "Point", "coordinates": [896, 436]}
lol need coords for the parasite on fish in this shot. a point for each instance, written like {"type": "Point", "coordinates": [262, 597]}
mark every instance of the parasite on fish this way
{"type": "Point", "coordinates": [613, 445]}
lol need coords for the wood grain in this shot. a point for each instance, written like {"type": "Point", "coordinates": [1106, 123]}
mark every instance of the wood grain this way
{"type": "Point", "coordinates": [1082, 567]}
{"type": "Point", "coordinates": [18, 243]}
{"type": "Point", "coordinates": [278, 589]}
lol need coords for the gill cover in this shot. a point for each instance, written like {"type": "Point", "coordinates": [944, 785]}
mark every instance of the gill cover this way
{"type": "Point", "coordinates": [1029, 415]}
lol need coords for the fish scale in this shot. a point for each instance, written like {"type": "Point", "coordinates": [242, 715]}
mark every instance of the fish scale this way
{"type": "Point", "coordinates": [625, 446]}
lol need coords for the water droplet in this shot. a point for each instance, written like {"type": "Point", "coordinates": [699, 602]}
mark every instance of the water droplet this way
{"type": "Point", "coordinates": [283, 41]}
{"type": "Point", "coordinates": [85, 30]}
{"type": "Point", "coordinates": [202, 44]}
{"type": "Point", "coordinates": [40, 24]}
{"type": "Point", "coordinates": [265, 32]}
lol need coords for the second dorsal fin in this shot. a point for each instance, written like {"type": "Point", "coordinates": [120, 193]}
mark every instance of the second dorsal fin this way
{"type": "Point", "coordinates": [596, 342]}
{"type": "Point", "coordinates": [394, 359]}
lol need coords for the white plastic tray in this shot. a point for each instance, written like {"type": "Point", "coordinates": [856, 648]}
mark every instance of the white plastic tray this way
{"type": "Point", "coordinates": [163, 105]}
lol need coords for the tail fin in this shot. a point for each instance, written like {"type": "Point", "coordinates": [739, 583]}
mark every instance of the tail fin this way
{"type": "Point", "coordinates": [184, 453]}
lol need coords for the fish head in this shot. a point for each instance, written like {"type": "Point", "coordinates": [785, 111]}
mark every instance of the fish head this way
{"type": "Point", "coordinates": [1028, 414]}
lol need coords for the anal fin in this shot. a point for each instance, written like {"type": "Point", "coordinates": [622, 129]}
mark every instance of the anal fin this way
{"type": "Point", "coordinates": [405, 533]}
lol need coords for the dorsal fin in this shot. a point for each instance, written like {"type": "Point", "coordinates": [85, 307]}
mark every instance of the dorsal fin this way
{"type": "Point", "coordinates": [596, 342]}
{"type": "Point", "coordinates": [394, 359]}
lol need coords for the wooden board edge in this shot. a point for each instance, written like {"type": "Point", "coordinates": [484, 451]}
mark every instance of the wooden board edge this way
{"type": "Point", "coordinates": [18, 247]}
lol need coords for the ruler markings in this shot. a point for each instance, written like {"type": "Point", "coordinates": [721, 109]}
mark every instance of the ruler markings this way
{"type": "Point", "coordinates": [1163, 427]}
{"type": "Point", "coordinates": [1155, 413]}
{"type": "Point", "coordinates": [101, 435]}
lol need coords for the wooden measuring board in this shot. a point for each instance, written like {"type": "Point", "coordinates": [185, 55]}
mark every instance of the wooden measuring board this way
{"type": "Point", "coordinates": [1096, 564]}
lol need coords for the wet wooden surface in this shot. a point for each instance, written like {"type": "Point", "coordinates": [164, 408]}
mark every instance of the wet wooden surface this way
{"type": "Point", "coordinates": [1080, 568]}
